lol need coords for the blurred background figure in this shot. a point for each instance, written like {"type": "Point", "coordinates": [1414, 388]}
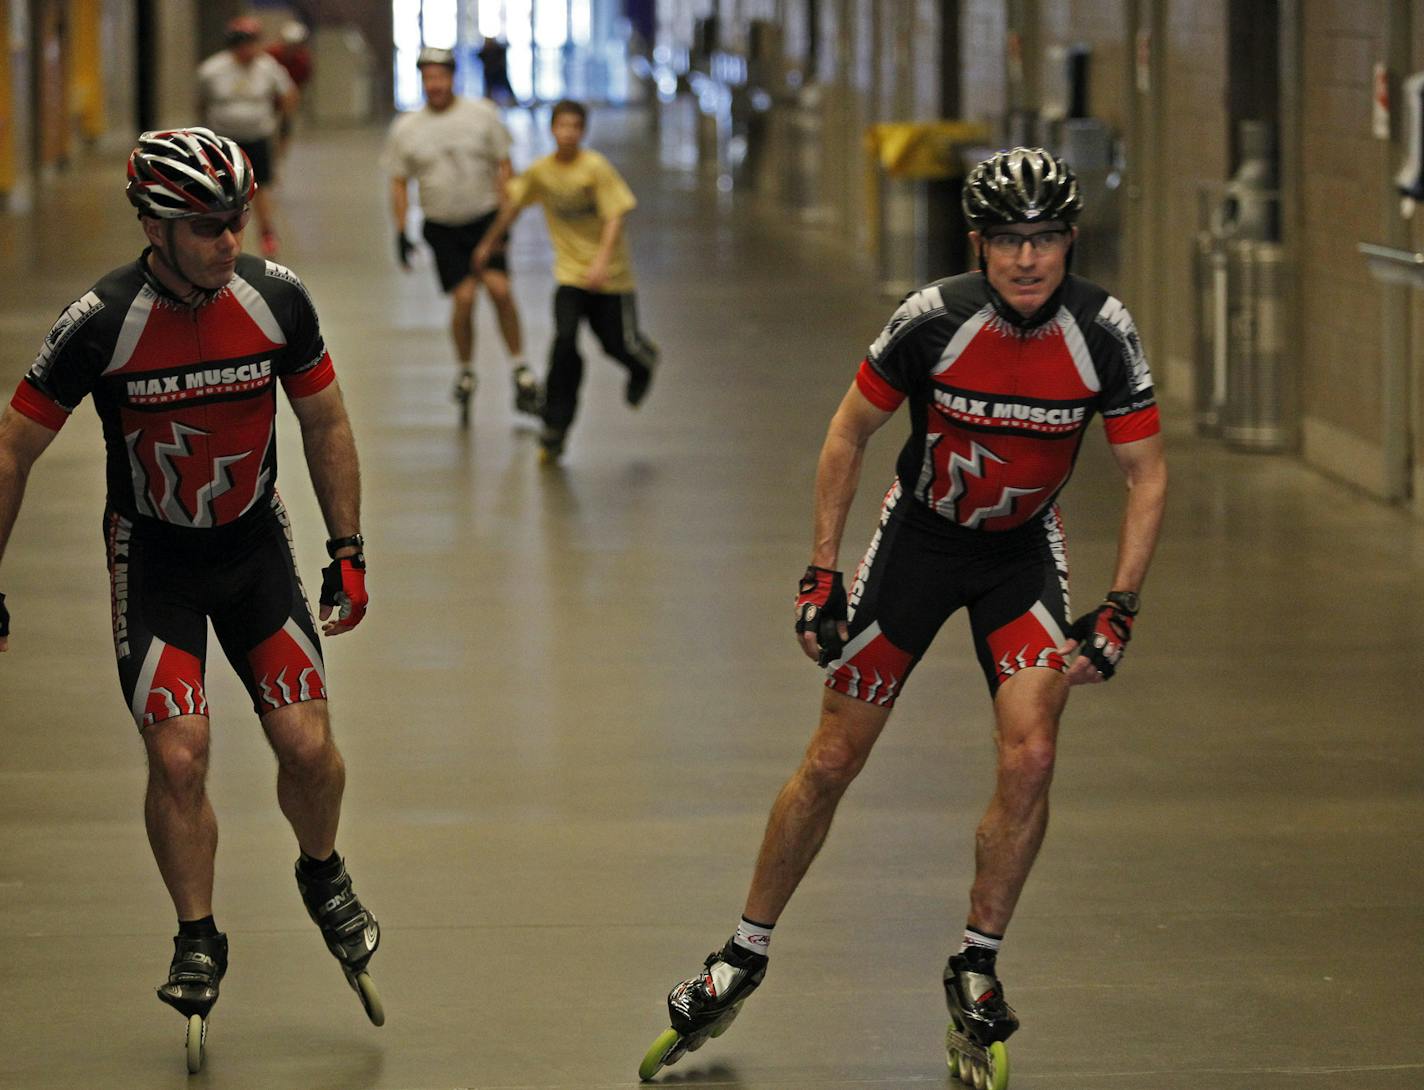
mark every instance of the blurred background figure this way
{"type": "Point", "coordinates": [293, 52]}
{"type": "Point", "coordinates": [494, 63]}
{"type": "Point", "coordinates": [456, 150]}
{"type": "Point", "coordinates": [244, 94]}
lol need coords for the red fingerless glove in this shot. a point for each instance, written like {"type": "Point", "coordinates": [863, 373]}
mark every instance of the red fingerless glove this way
{"type": "Point", "coordinates": [343, 587]}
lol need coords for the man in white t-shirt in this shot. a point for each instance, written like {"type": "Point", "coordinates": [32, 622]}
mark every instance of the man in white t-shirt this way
{"type": "Point", "coordinates": [245, 94]}
{"type": "Point", "coordinates": [457, 151]}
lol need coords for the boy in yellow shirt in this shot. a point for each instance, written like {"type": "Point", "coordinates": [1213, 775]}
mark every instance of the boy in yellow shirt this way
{"type": "Point", "coordinates": [585, 200]}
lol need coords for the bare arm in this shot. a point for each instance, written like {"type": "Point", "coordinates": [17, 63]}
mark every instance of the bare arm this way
{"type": "Point", "coordinates": [400, 201]}
{"type": "Point", "coordinates": [597, 274]}
{"type": "Point", "coordinates": [330, 450]}
{"type": "Point", "coordinates": [508, 213]}
{"type": "Point", "coordinates": [22, 441]}
{"type": "Point", "coordinates": [1144, 469]}
{"type": "Point", "coordinates": [1144, 466]}
{"type": "Point", "coordinates": [837, 477]}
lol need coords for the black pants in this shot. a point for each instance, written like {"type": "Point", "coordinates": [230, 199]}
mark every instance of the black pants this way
{"type": "Point", "coordinates": [614, 321]}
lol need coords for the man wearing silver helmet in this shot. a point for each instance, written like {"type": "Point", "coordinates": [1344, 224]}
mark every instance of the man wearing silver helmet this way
{"type": "Point", "coordinates": [1001, 371]}
{"type": "Point", "coordinates": [182, 352]}
{"type": "Point", "coordinates": [456, 150]}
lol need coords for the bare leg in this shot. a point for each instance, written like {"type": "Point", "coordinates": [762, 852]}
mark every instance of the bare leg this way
{"type": "Point", "coordinates": [182, 828]}
{"type": "Point", "coordinates": [501, 295]}
{"type": "Point", "coordinates": [311, 776]}
{"type": "Point", "coordinates": [801, 816]}
{"type": "Point", "coordinates": [1027, 710]}
{"type": "Point", "coordinates": [262, 208]}
{"type": "Point", "coordinates": [462, 321]}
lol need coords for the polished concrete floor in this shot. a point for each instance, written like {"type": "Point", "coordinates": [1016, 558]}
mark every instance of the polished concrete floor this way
{"type": "Point", "coordinates": [577, 693]}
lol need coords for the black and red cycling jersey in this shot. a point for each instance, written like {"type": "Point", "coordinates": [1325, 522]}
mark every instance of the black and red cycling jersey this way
{"type": "Point", "coordinates": [186, 394]}
{"type": "Point", "coordinates": [999, 409]}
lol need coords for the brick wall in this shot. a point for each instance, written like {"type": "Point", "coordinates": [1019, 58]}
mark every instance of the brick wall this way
{"type": "Point", "coordinates": [983, 87]}
{"type": "Point", "coordinates": [1341, 196]}
{"type": "Point", "coordinates": [1194, 142]}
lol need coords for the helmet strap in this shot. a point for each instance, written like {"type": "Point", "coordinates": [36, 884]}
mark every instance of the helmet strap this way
{"type": "Point", "coordinates": [196, 293]}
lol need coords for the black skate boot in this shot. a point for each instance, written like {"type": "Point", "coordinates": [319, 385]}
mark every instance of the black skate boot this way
{"type": "Point", "coordinates": [192, 987]}
{"type": "Point", "coordinates": [980, 1021]}
{"type": "Point", "coordinates": [704, 1006]}
{"type": "Point", "coordinates": [528, 398]}
{"type": "Point", "coordinates": [351, 933]}
{"type": "Point", "coordinates": [551, 445]}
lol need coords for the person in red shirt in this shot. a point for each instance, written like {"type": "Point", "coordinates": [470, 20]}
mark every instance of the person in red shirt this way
{"type": "Point", "coordinates": [293, 53]}
{"type": "Point", "coordinates": [1001, 371]}
{"type": "Point", "coordinates": [182, 352]}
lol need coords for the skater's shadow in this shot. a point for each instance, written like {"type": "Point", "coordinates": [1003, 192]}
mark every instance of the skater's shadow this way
{"type": "Point", "coordinates": [718, 1074]}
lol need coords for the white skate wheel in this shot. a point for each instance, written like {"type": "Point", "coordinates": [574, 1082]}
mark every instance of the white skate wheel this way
{"type": "Point", "coordinates": [981, 1076]}
{"type": "Point", "coordinates": [370, 999]}
{"type": "Point", "coordinates": [197, 1033]}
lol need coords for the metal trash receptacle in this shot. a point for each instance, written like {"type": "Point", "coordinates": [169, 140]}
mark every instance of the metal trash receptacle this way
{"type": "Point", "coordinates": [1209, 333]}
{"type": "Point", "coordinates": [1258, 413]}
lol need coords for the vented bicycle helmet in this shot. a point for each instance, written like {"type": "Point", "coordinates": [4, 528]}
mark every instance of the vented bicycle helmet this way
{"type": "Point", "coordinates": [188, 172]}
{"type": "Point", "coordinates": [1025, 185]}
{"type": "Point", "coordinates": [431, 54]}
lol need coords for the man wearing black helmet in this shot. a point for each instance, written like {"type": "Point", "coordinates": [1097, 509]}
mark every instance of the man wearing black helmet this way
{"type": "Point", "coordinates": [1002, 370]}
{"type": "Point", "coordinates": [456, 149]}
{"type": "Point", "coordinates": [182, 351]}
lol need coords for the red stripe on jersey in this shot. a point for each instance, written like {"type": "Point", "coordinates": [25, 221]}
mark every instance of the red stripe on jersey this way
{"type": "Point", "coordinates": [876, 390]}
{"type": "Point", "coordinates": [1142, 424]}
{"type": "Point", "coordinates": [312, 381]}
{"type": "Point", "coordinates": [42, 410]}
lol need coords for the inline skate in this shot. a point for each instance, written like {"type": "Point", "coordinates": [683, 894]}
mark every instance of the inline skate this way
{"type": "Point", "coordinates": [528, 398]}
{"type": "Point", "coordinates": [351, 932]}
{"type": "Point", "coordinates": [464, 393]}
{"type": "Point", "coordinates": [192, 987]}
{"type": "Point", "coordinates": [980, 1022]}
{"type": "Point", "coordinates": [704, 1006]}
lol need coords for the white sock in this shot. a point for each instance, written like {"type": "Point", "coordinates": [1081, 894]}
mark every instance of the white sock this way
{"type": "Point", "coordinates": [752, 936]}
{"type": "Point", "coordinates": [981, 939]}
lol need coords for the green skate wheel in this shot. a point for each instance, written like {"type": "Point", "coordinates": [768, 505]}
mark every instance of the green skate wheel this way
{"type": "Point", "coordinates": [657, 1055]}
{"type": "Point", "coordinates": [370, 998]}
{"type": "Point", "coordinates": [197, 1034]}
{"type": "Point", "coordinates": [998, 1075]}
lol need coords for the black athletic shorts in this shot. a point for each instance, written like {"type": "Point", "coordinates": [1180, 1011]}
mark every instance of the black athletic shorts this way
{"type": "Point", "coordinates": [166, 582]}
{"type": "Point", "coordinates": [917, 573]}
{"type": "Point", "coordinates": [260, 152]}
{"type": "Point", "coordinates": [454, 246]}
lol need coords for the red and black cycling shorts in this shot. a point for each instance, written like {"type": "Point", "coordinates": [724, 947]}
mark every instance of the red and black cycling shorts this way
{"type": "Point", "coordinates": [166, 582]}
{"type": "Point", "coordinates": [917, 573]}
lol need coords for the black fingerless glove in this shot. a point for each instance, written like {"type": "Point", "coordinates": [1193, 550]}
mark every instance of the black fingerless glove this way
{"type": "Point", "coordinates": [1102, 636]}
{"type": "Point", "coordinates": [820, 608]}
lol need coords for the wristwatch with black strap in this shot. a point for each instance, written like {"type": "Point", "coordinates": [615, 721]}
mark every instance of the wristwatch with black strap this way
{"type": "Point", "coordinates": [336, 544]}
{"type": "Point", "coordinates": [1126, 600]}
